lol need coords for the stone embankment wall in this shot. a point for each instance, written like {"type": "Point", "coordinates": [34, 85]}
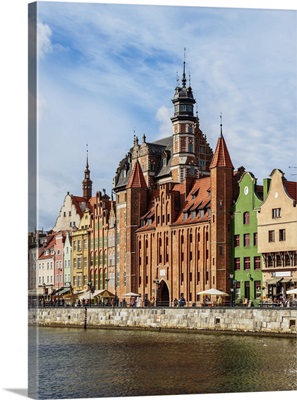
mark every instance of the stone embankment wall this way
{"type": "Point", "coordinates": [269, 320]}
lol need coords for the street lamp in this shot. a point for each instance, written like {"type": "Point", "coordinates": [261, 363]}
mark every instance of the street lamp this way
{"type": "Point", "coordinates": [233, 284]}
{"type": "Point", "coordinates": [107, 280]}
{"type": "Point", "coordinates": [44, 293]}
{"type": "Point", "coordinates": [91, 291]}
{"type": "Point", "coordinates": [156, 281]}
{"type": "Point", "coordinates": [59, 280]}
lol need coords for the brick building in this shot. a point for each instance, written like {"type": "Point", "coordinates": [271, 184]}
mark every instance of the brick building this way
{"type": "Point", "coordinates": [173, 207]}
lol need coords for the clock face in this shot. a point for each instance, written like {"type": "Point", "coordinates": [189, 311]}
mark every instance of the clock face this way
{"type": "Point", "coordinates": [246, 190]}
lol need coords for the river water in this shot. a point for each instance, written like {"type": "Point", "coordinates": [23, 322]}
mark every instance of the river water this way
{"type": "Point", "coordinates": [77, 363]}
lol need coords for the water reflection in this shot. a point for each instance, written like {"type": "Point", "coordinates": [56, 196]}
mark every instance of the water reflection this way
{"type": "Point", "coordinates": [80, 363]}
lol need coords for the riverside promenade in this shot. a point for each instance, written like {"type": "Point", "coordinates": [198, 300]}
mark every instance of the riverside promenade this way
{"type": "Point", "coordinates": [271, 321]}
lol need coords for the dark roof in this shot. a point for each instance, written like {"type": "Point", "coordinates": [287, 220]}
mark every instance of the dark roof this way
{"type": "Point", "coordinates": [291, 188]}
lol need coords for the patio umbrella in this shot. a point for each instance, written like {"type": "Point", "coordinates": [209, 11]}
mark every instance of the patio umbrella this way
{"type": "Point", "coordinates": [213, 292]}
{"type": "Point", "coordinates": [292, 291]}
{"type": "Point", "coordinates": [103, 293]}
{"type": "Point", "coordinates": [131, 294]}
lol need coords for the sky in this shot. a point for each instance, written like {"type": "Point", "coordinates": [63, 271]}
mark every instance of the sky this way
{"type": "Point", "coordinates": [108, 71]}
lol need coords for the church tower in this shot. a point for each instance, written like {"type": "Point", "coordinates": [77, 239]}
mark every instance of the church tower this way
{"type": "Point", "coordinates": [191, 154]}
{"type": "Point", "coordinates": [87, 183]}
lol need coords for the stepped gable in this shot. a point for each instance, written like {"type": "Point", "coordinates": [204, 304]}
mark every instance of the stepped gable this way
{"type": "Point", "coordinates": [102, 198]}
{"type": "Point", "coordinates": [196, 203]}
{"type": "Point", "coordinates": [136, 179]}
{"type": "Point", "coordinates": [221, 157]}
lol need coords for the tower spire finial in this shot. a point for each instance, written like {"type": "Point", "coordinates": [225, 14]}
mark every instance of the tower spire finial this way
{"type": "Point", "coordinates": [87, 183]}
{"type": "Point", "coordinates": [184, 80]}
{"type": "Point", "coordinates": [221, 125]}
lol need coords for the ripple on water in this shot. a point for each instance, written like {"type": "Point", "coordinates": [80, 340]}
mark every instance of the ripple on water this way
{"type": "Point", "coordinates": [110, 363]}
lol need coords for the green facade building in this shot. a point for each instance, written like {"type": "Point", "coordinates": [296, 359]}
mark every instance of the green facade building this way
{"type": "Point", "coordinates": [247, 276]}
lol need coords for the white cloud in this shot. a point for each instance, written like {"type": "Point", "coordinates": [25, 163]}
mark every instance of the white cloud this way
{"type": "Point", "coordinates": [163, 115]}
{"type": "Point", "coordinates": [118, 70]}
{"type": "Point", "coordinates": [44, 44]}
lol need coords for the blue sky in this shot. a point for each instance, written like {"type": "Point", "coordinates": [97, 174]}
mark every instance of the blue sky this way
{"type": "Point", "coordinates": [107, 70]}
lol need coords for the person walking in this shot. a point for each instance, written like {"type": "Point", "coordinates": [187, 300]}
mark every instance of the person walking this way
{"type": "Point", "coordinates": [182, 301]}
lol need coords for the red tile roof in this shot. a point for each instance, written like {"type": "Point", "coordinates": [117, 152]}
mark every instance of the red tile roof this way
{"type": "Point", "coordinates": [221, 157]}
{"type": "Point", "coordinates": [76, 200]}
{"type": "Point", "coordinates": [197, 199]}
{"type": "Point", "coordinates": [291, 188]}
{"type": "Point", "coordinates": [137, 179]}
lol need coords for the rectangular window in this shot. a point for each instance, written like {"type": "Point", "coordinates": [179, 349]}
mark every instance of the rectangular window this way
{"type": "Point", "coordinates": [287, 259]}
{"type": "Point", "coordinates": [271, 236]}
{"type": "Point", "coordinates": [237, 263]}
{"type": "Point", "coordinates": [247, 263]}
{"type": "Point", "coordinates": [255, 239]}
{"type": "Point", "coordinates": [257, 288]}
{"type": "Point", "coordinates": [276, 213]}
{"type": "Point", "coordinates": [282, 235]}
{"type": "Point", "coordinates": [257, 262]}
{"type": "Point", "coordinates": [246, 218]}
{"type": "Point", "coordinates": [237, 240]}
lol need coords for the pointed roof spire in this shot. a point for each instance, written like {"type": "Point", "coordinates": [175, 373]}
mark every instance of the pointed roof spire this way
{"type": "Point", "coordinates": [184, 80]}
{"type": "Point", "coordinates": [87, 183]}
{"type": "Point", "coordinates": [221, 157]}
{"type": "Point", "coordinates": [87, 161]}
{"type": "Point", "coordinates": [137, 179]}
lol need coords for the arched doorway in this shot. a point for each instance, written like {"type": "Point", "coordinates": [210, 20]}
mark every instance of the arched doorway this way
{"type": "Point", "coordinates": [163, 295]}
